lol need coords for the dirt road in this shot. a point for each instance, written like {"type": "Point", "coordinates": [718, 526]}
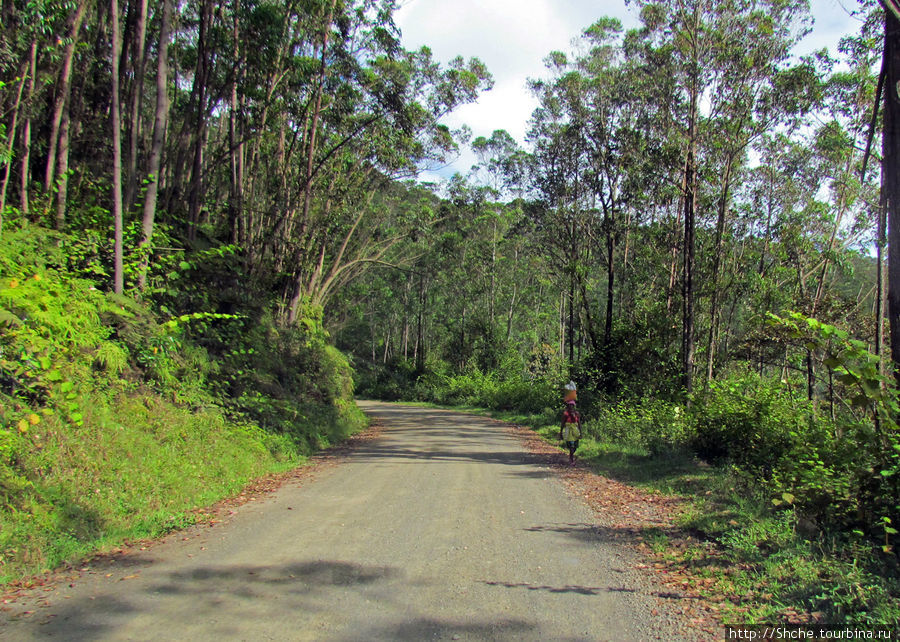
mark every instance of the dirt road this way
{"type": "Point", "coordinates": [443, 527]}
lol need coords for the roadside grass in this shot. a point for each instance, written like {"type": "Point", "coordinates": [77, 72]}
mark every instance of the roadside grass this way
{"type": "Point", "coordinates": [760, 564]}
{"type": "Point", "coordinates": [769, 566]}
{"type": "Point", "coordinates": [134, 470]}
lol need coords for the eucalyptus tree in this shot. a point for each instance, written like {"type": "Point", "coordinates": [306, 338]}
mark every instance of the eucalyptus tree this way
{"type": "Point", "coordinates": [160, 120]}
{"type": "Point", "coordinates": [57, 146]}
{"type": "Point", "coordinates": [891, 167]}
{"type": "Point", "coordinates": [565, 221]}
{"type": "Point", "coordinates": [718, 73]}
{"type": "Point", "coordinates": [495, 164]}
{"type": "Point", "coordinates": [116, 124]}
{"type": "Point", "coordinates": [389, 126]}
{"type": "Point", "coordinates": [754, 91]}
{"type": "Point", "coordinates": [623, 148]}
{"type": "Point", "coordinates": [597, 149]}
{"type": "Point", "coordinates": [29, 47]}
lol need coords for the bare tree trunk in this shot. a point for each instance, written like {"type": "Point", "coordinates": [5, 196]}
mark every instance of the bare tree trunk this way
{"type": "Point", "coordinates": [571, 319]}
{"type": "Point", "coordinates": [562, 324]}
{"type": "Point", "coordinates": [687, 337]}
{"type": "Point", "coordinates": [156, 146]}
{"type": "Point", "coordinates": [673, 265]}
{"type": "Point", "coordinates": [512, 301]}
{"type": "Point", "coordinates": [879, 283]}
{"type": "Point", "coordinates": [387, 341]}
{"type": "Point", "coordinates": [768, 234]}
{"type": "Point", "coordinates": [310, 158]}
{"type": "Point", "coordinates": [136, 95]}
{"type": "Point", "coordinates": [406, 289]}
{"type": "Point", "coordinates": [610, 281]}
{"type": "Point", "coordinates": [420, 326]}
{"type": "Point", "coordinates": [372, 326]}
{"type": "Point", "coordinates": [26, 130]}
{"type": "Point", "coordinates": [493, 275]}
{"type": "Point", "coordinates": [235, 143]}
{"type": "Point", "coordinates": [62, 95]}
{"type": "Point", "coordinates": [624, 299]}
{"type": "Point", "coordinates": [891, 177]}
{"type": "Point", "coordinates": [717, 264]}
{"type": "Point", "coordinates": [62, 169]}
{"type": "Point", "coordinates": [118, 273]}
{"type": "Point", "coordinates": [690, 185]}
{"type": "Point", "coordinates": [202, 77]}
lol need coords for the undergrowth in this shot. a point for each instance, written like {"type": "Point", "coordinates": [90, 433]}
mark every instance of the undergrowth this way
{"type": "Point", "coordinates": [118, 417]}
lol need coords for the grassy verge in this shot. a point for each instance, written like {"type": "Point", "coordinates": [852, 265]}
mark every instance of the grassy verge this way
{"type": "Point", "coordinates": [761, 564]}
{"type": "Point", "coordinates": [136, 469]}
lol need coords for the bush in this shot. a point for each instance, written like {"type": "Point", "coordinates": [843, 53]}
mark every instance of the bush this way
{"type": "Point", "coordinates": [503, 390]}
{"type": "Point", "coordinates": [652, 425]}
{"type": "Point", "coordinates": [749, 421]}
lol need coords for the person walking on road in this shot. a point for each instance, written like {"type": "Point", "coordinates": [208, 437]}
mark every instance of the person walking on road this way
{"type": "Point", "coordinates": [570, 429]}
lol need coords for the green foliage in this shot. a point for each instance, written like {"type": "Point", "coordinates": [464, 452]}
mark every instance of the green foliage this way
{"type": "Point", "coordinates": [848, 476]}
{"type": "Point", "coordinates": [651, 426]}
{"type": "Point", "coordinates": [401, 381]}
{"type": "Point", "coordinates": [116, 419]}
{"type": "Point", "coordinates": [112, 358]}
{"type": "Point", "coordinates": [747, 420]}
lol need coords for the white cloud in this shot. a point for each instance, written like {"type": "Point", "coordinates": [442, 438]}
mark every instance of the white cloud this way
{"type": "Point", "coordinates": [832, 21]}
{"type": "Point", "coordinates": [512, 38]}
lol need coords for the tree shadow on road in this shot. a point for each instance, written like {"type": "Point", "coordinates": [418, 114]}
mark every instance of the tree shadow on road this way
{"type": "Point", "coordinates": [432, 629]}
{"type": "Point", "coordinates": [571, 588]}
{"type": "Point", "coordinates": [183, 597]}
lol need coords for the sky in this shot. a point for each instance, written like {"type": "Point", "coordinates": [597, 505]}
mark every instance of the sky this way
{"type": "Point", "coordinates": [512, 37]}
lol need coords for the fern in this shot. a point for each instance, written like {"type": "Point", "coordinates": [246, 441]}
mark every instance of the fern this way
{"type": "Point", "coordinates": [112, 357]}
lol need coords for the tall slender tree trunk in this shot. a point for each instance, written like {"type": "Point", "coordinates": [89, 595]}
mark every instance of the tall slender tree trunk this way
{"type": "Point", "coordinates": [677, 229]}
{"type": "Point", "coordinates": [235, 140]}
{"type": "Point", "coordinates": [610, 281]}
{"type": "Point", "coordinates": [561, 317]}
{"type": "Point", "coordinates": [310, 160]}
{"type": "Point", "coordinates": [891, 177]}
{"type": "Point", "coordinates": [493, 275]}
{"type": "Point", "coordinates": [195, 190]}
{"type": "Point", "coordinates": [11, 145]}
{"type": "Point", "coordinates": [62, 95]}
{"type": "Point", "coordinates": [420, 326]}
{"type": "Point", "coordinates": [62, 169]}
{"type": "Point", "coordinates": [405, 339]}
{"type": "Point", "coordinates": [118, 271]}
{"type": "Point", "coordinates": [512, 300]}
{"type": "Point", "coordinates": [624, 300]}
{"type": "Point", "coordinates": [717, 266]}
{"type": "Point", "coordinates": [687, 338]}
{"type": "Point", "coordinates": [768, 233]}
{"type": "Point", "coordinates": [879, 284]}
{"type": "Point", "coordinates": [25, 176]}
{"type": "Point", "coordinates": [134, 120]}
{"type": "Point", "coordinates": [690, 185]}
{"type": "Point", "coordinates": [156, 146]}
{"type": "Point", "coordinates": [571, 320]}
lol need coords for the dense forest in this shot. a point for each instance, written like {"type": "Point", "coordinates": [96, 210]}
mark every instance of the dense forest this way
{"type": "Point", "coordinates": [204, 202]}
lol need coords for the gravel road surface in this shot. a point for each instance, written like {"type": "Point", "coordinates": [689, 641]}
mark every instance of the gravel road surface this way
{"type": "Point", "coordinates": [442, 528]}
